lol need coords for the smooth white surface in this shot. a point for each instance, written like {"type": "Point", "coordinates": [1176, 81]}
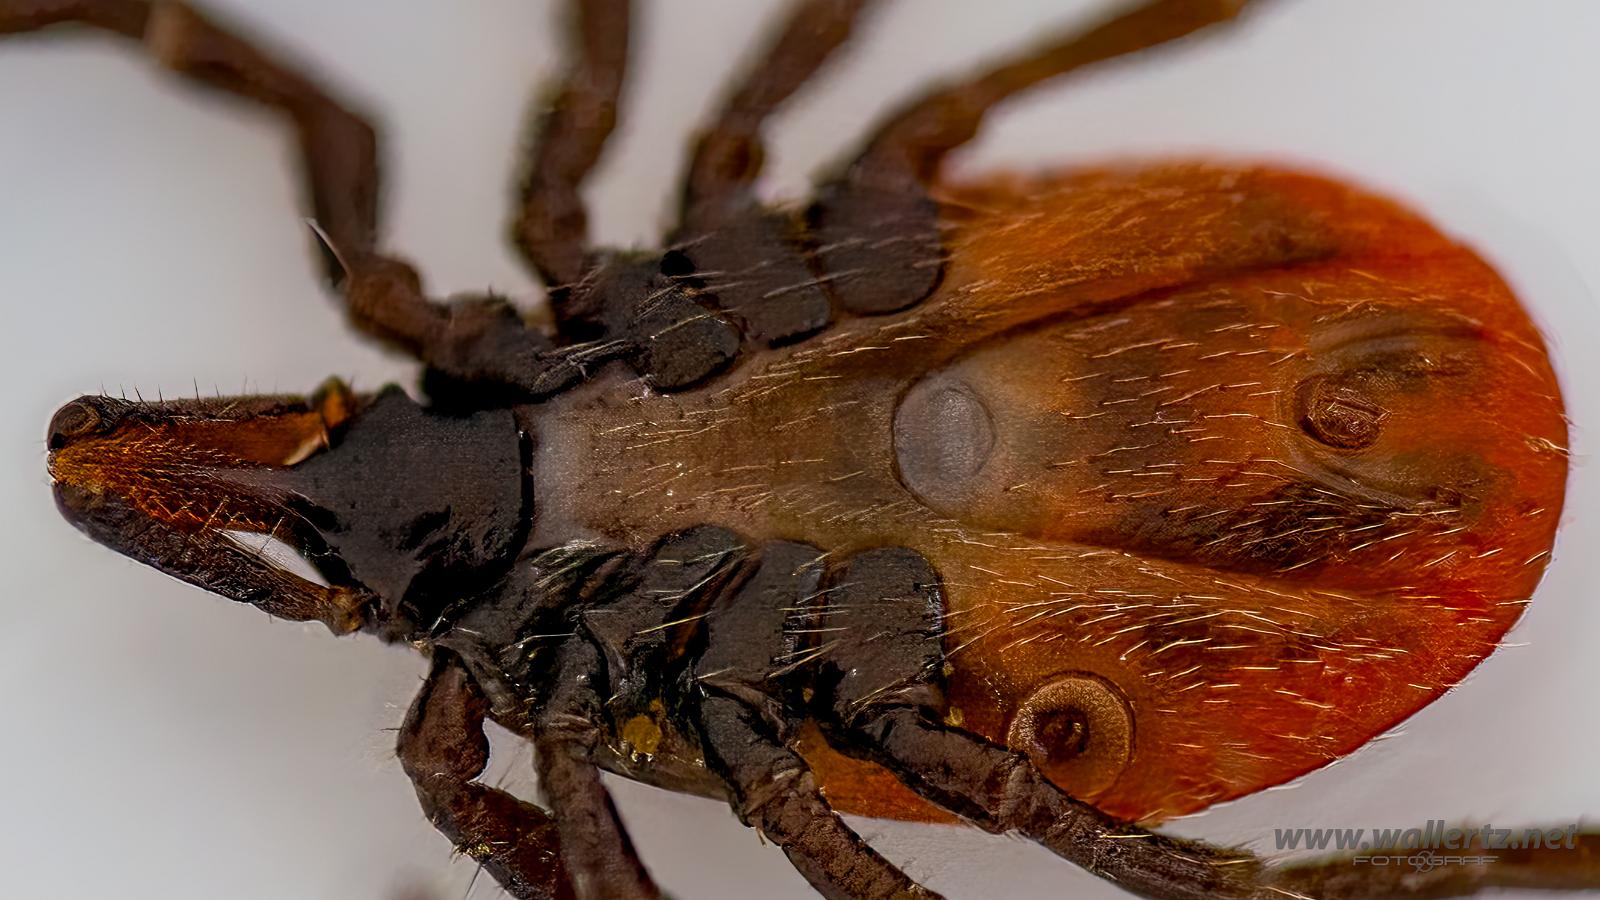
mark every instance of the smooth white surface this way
{"type": "Point", "coordinates": [159, 743]}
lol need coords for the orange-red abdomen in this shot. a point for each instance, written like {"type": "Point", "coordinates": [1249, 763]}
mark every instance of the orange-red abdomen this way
{"type": "Point", "coordinates": [1225, 471]}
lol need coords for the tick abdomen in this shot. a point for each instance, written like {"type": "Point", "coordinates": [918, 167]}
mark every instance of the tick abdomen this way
{"type": "Point", "coordinates": [1112, 432]}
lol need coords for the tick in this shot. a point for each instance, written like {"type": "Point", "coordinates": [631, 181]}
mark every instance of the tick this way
{"type": "Point", "coordinates": [1062, 506]}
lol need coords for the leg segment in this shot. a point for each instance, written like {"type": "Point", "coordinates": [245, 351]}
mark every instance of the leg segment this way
{"type": "Point", "coordinates": [477, 340]}
{"type": "Point", "coordinates": [338, 147]}
{"type": "Point", "coordinates": [728, 155]}
{"type": "Point", "coordinates": [443, 748]}
{"type": "Point", "coordinates": [877, 229]}
{"type": "Point", "coordinates": [615, 305]}
{"type": "Point", "coordinates": [752, 260]}
{"type": "Point", "coordinates": [1001, 790]}
{"type": "Point", "coordinates": [594, 843]}
{"type": "Point", "coordinates": [551, 229]}
{"type": "Point", "coordinates": [913, 143]}
{"type": "Point", "coordinates": [774, 792]}
{"type": "Point", "coordinates": [619, 305]}
{"type": "Point", "coordinates": [736, 702]}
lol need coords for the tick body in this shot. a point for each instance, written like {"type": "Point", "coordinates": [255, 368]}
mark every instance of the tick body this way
{"type": "Point", "coordinates": [934, 499]}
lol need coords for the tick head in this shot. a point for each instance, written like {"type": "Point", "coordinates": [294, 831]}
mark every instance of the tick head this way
{"type": "Point", "coordinates": [380, 498]}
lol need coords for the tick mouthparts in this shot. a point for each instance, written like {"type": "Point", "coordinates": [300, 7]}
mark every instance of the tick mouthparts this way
{"type": "Point", "coordinates": [211, 559]}
{"type": "Point", "coordinates": [99, 433]}
{"type": "Point", "coordinates": [374, 490]}
{"type": "Point", "coordinates": [192, 465]}
{"type": "Point", "coordinates": [171, 483]}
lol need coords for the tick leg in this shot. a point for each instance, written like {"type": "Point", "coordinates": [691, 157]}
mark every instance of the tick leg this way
{"type": "Point", "coordinates": [480, 339]}
{"type": "Point", "coordinates": [551, 229]}
{"type": "Point", "coordinates": [774, 791]}
{"type": "Point", "coordinates": [750, 259]}
{"type": "Point", "coordinates": [728, 155]}
{"type": "Point", "coordinates": [442, 747]}
{"type": "Point", "coordinates": [594, 843]}
{"type": "Point", "coordinates": [912, 144]}
{"type": "Point", "coordinates": [736, 704]}
{"type": "Point", "coordinates": [338, 147]}
{"type": "Point", "coordinates": [607, 306]}
{"type": "Point", "coordinates": [877, 229]}
{"type": "Point", "coordinates": [1001, 790]}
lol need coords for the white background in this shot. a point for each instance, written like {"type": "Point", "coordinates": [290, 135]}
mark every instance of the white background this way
{"type": "Point", "coordinates": [157, 742]}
